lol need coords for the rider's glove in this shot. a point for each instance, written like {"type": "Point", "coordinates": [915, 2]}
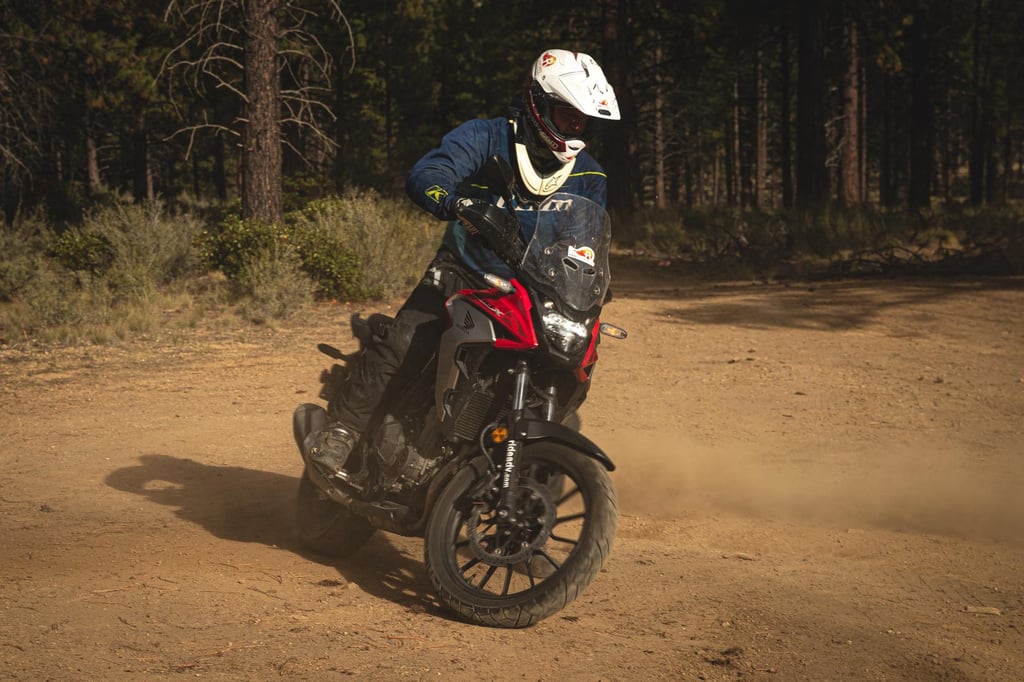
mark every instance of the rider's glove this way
{"type": "Point", "coordinates": [495, 225]}
{"type": "Point", "coordinates": [462, 206]}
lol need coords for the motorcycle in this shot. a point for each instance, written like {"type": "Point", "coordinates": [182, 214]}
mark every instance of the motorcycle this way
{"type": "Point", "coordinates": [481, 454]}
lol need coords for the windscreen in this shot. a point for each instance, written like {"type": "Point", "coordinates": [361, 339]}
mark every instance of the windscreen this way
{"type": "Point", "coordinates": [568, 252]}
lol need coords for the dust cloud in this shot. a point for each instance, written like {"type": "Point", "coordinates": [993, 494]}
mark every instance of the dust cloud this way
{"type": "Point", "coordinates": [925, 489]}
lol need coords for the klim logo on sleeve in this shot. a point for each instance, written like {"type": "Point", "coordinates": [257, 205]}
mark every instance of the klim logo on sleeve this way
{"type": "Point", "coordinates": [436, 193]}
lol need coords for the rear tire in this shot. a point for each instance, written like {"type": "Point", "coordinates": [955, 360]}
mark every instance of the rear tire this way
{"type": "Point", "coordinates": [514, 575]}
{"type": "Point", "coordinates": [324, 526]}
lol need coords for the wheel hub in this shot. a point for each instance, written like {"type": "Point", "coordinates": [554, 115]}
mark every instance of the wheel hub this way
{"type": "Point", "coordinates": [503, 543]}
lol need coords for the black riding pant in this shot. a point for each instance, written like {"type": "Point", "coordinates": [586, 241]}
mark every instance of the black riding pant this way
{"type": "Point", "coordinates": [391, 359]}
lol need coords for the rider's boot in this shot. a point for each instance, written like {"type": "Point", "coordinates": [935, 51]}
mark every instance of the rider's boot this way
{"type": "Point", "coordinates": [331, 446]}
{"type": "Point", "coordinates": [322, 441]}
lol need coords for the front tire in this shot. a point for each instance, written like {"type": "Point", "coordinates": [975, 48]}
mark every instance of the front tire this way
{"type": "Point", "coordinates": [324, 526]}
{"type": "Point", "coordinates": [513, 575]}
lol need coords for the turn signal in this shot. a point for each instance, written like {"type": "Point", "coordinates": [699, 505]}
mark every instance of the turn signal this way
{"type": "Point", "coordinates": [613, 331]}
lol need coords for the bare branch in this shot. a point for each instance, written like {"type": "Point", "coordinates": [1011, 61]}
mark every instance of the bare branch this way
{"type": "Point", "coordinates": [210, 58]}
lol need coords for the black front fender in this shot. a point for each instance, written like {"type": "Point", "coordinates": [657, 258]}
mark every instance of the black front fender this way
{"type": "Point", "coordinates": [538, 429]}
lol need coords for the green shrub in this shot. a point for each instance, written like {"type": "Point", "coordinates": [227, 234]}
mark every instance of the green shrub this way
{"type": "Point", "coordinates": [391, 240]}
{"type": "Point", "coordinates": [82, 251]}
{"type": "Point", "coordinates": [275, 284]}
{"type": "Point", "coordinates": [361, 245]}
{"type": "Point", "coordinates": [151, 246]}
{"type": "Point", "coordinates": [235, 241]}
{"type": "Point", "coordinates": [99, 280]}
{"type": "Point", "coordinates": [136, 247]}
{"type": "Point", "coordinates": [53, 299]}
{"type": "Point", "coordinates": [23, 246]}
{"type": "Point", "coordinates": [334, 268]}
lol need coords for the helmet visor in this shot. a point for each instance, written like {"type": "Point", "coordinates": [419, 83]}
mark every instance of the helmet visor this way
{"type": "Point", "coordinates": [557, 121]}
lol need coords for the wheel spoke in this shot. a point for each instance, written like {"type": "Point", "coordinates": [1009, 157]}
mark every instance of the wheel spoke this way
{"type": "Point", "coordinates": [468, 565]}
{"type": "Point", "coordinates": [570, 517]}
{"type": "Point", "coordinates": [508, 581]}
{"type": "Point", "coordinates": [568, 541]}
{"type": "Point", "coordinates": [487, 577]}
{"type": "Point", "coordinates": [547, 557]}
{"type": "Point", "coordinates": [566, 496]}
{"type": "Point", "coordinates": [529, 573]}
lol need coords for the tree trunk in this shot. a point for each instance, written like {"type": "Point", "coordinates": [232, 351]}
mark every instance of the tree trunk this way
{"type": "Point", "coordinates": [811, 178]}
{"type": "Point", "coordinates": [862, 154]}
{"type": "Point", "coordinates": [142, 179]}
{"type": "Point", "coordinates": [688, 162]}
{"type": "Point", "coordinates": [93, 181]}
{"type": "Point", "coordinates": [341, 89]}
{"type": "Point", "coordinates": [785, 95]}
{"type": "Point", "coordinates": [659, 132]}
{"type": "Point", "coordinates": [716, 177]}
{"type": "Point", "coordinates": [1004, 190]}
{"type": "Point", "coordinates": [977, 162]}
{"type": "Point", "coordinates": [922, 135]}
{"type": "Point", "coordinates": [93, 178]}
{"type": "Point", "coordinates": [888, 162]}
{"type": "Point", "coordinates": [849, 168]}
{"type": "Point", "coordinates": [761, 166]}
{"type": "Point", "coordinates": [946, 146]}
{"type": "Point", "coordinates": [732, 149]}
{"type": "Point", "coordinates": [261, 137]}
{"type": "Point", "coordinates": [617, 142]}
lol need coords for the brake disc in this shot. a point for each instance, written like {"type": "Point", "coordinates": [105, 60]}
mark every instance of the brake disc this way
{"type": "Point", "coordinates": [501, 543]}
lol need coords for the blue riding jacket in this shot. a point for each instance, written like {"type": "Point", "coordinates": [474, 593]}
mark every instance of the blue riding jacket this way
{"type": "Point", "coordinates": [451, 170]}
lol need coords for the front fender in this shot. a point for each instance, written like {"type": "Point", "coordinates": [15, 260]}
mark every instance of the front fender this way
{"type": "Point", "coordinates": [539, 429]}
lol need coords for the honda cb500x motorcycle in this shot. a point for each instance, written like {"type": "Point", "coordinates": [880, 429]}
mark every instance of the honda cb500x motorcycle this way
{"type": "Point", "coordinates": [481, 454]}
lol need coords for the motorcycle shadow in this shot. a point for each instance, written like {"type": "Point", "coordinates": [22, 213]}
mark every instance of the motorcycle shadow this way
{"type": "Point", "coordinates": [246, 505]}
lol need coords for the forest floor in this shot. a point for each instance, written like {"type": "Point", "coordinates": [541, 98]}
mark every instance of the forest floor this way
{"type": "Point", "coordinates": [816, 481]}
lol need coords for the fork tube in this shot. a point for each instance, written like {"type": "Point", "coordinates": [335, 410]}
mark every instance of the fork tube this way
{"type": "Point", "coordinates": [551, 399]}
{"type": "Point", "coordinates": [510, 468]}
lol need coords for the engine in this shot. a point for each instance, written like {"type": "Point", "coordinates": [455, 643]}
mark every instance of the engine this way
{"type": "Point", "coordinates": [402, 465]}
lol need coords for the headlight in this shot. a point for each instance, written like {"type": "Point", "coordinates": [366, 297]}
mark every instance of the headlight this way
{"type": "Point", "coordinates": [563, 332]}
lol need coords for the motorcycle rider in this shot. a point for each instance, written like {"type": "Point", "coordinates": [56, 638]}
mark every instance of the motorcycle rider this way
{"type": "Point", "coordinates": [543, 138]}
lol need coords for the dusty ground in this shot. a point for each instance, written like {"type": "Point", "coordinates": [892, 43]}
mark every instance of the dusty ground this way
{"type": "Point", "coordinates": [816, 482]}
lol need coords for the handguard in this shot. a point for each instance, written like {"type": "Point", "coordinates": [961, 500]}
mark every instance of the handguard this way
{"type": "Point", "coordinates": [495, 225]}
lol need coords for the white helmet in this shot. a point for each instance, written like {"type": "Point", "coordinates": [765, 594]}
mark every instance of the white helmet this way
{"type": "Point", "coordinates": [567, 90]}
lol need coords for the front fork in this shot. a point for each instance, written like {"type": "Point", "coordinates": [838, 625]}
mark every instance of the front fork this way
{"type": "Point", "coordinates": [517, 435]}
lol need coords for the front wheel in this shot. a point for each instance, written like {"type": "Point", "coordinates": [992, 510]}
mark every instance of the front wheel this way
{"type": "Point", "coordinates": [324, 526]}
{"type": "Point", "coordinates": [500, 574]}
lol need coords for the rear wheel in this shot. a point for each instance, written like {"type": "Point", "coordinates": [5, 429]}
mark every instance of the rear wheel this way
{"type": "Point", "coordinates": [326, 527]}
{"type": "Point", "coordinates": [492, 572]}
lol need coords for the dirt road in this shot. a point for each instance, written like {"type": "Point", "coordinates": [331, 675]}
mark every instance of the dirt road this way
{"type": "Point", "coordinates": [816, 482]}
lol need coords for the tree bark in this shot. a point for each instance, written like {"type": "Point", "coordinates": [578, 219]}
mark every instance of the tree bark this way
{"type": "Point", "coordinates": [618, 155]}
{"type": "Point", "coordinates": [922, 122]}
{"type": "Point", "coordinates": [890, 155]}
{"type": "Point", "coordinates": [659, 132]}
{"type": "Point", "coordinates": [688, 157]}
{"type": "Point", "coordinates": [977, 161]}
{"type": "Point", "coordinates": [261, 137]}
{"type": "Point", "coordinates": [732, 149]}
{"type": "Point", "coordinates": [142, 177]}
{"type": "Point", "coordinates": [93, 181]}
{"type": "Point", "coordinates": [785, 113]}
{"type": "Point", "coordinates": [761, 165]}
{"type": "Point", "coordinates": [849, 169]}
{"type": "Point", "coordinates": [811, 178]}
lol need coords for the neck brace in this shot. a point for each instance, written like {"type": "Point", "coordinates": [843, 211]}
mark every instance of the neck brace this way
{"type": "Point", "coordinates": [535, 183]}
